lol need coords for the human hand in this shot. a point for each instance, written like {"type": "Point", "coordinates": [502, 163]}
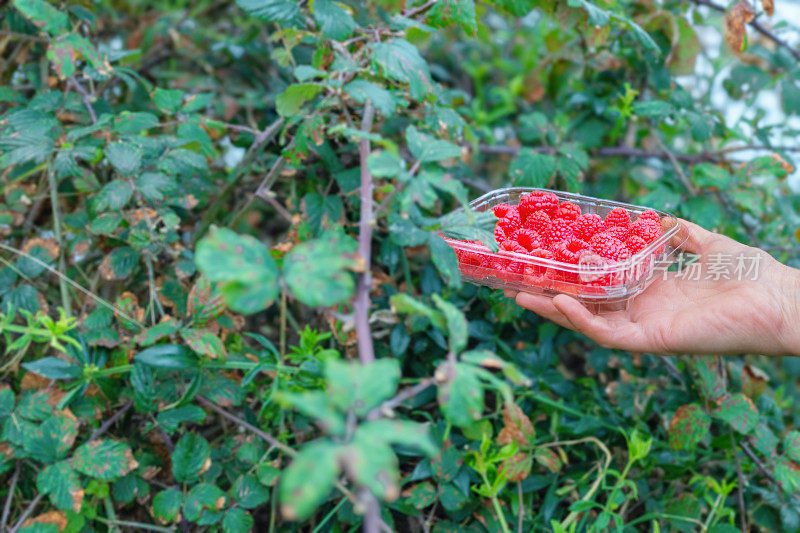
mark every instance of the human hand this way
{"type": "Point", "coordinates": [679, 315]}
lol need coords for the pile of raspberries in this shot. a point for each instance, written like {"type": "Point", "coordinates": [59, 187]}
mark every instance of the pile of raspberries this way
{"type": "Point", "coordinates": [541, 226]}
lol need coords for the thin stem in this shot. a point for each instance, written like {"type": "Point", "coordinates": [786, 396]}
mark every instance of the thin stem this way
{"type": "Point", "coordinates": [740, 485]}
{"type": "Point", "coordinates": [62, 284]}
{"type": "Point", "coordinates": [134, 525]}
{"type": "Point", "coordinates": [112, 515]}
{"type": "Point", "coordinates": [110, 422]}
{"type": "Point", "coordinates": [497, 509]}
{"type": "Point", "coordinates": [87, 98]}
{"type": "Point", "coordinates": [520, 508]}
{"type": "Point", "coordinates": [261, 433]}
{"type": "Point", "coordinates": [329, 516]}
{"type": "Point", "coordinates": [402, 396]}
{"type": "Point", "coordinates": [361, 305]}
{"type": "Point", "coordinates": [26, 513]}
{"type": "Point", "coordinates": [10, 497]}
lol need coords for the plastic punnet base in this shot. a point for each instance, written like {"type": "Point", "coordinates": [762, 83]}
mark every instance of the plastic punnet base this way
{"type": "Point", "coordinates": [601, 285]}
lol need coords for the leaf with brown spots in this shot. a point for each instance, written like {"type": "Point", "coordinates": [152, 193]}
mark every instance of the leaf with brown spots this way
{"type": "Point", "coordinates": [57, 518]}
{"type": "Point", "coordinates": [106, 460]}
{"type": "Point", "coordinates": [736, 21]}
{"type": "Point", "coordinates": [518, 466]}
{"type": "Point", "coordinates": [754, 381]}
{"type": "Point", "coordinates": [769, 7]}
{"type": "Point", "coordinates": [62, 484]}
{"type": "Point", "coordinates": [517, 427]}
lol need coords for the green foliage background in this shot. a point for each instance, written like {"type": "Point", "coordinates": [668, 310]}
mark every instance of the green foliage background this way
{"type": "Point", "coordinates": [183, 190]}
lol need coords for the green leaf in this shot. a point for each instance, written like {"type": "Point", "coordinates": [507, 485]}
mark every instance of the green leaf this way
{"type": "Point", "coordinates": [461, 12]}
{"type": "Point", "coordinates": [62, 484]}
{"type": "Point", "coordinates": [249, 492]}
{"type": "Point", "coordinates": [154, 186]}
{"type": "Point", "coordinates": [787, 473]}
{"type": "Point", "coordinates": [125, 157]}
{"type": "Point", "coordinates": [456, 323]}
{"type": "Point", "coordinates": [400, 61]}
{"type": "Point", "coordinates": [384, 164]}
{"type": "Point", "coordinates": [791, 445]}
{"type": "Point", "coordinates": [310, 477]}
{"type": "Point", "coordinates": [43, 15]}
{"type": "Point", "coordinates": [105, 460]}
{"type": "Point", "coordinates": [53, 368]}
{"type": "Point", "coordinates": [652, 109]}
{"type": "Point", "coordinates": [204, 503]}
{"type": "Point", "coordinates": [244, 263]}
{"type": "Point", "coordinates": [461, 396]}
{"type": "Point", "coordinates": [52, 440]}
{"type": "Point", "coordinates": [361, 91]}
{"type": "Point", "coordinates": [115, 195]}
{"type": "Point", "coordinates": [361, 386]}
{"type": "Point", "coordinates": [403, 433]}
{"type": "Point", "coordinates": [168, 357]}
{"type": "Point", "coordinates": [292, 99]}
{"type": "Point", "coordinates": [316, 271]}
{"type": "Point", "coordinates": [445, 260]}
{"type": "Point", "coordinates": [172, 418]}
{"type": "Point", "coordinates": [189, 457]}
{"type": "Point", "coordinates": [688, 426]}
{"type": "Point", "coordinates": [133, 123]}
{"type": "Point", "coordinates": [374, 465]}
{"type": "Point", "coordinates": [317, 405]}
{"type": "Point", "coordinates": [167, 505]}
{"type": "Point", "coordinates": [204, 342]}
{"type": "Point", "coordinates": [272, 10]}
{"type": "Point", "coordinates": [237, 521]}
{"type": "Point", "coordinates": [6, 402]}
{"type": "Point", "coordinates": [426, 148]}
{"type": "Point", "coordinates": [168, 100]}
{"type": "Point", "coordinates": [334, 20]}
{"type": "Point", "coordinates": [738, 411]}
{"type": "Point", "coordinates": [403, 303]}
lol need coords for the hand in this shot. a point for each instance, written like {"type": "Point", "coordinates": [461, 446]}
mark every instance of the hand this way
{"type": "Point", "coordinates": [760, 314]}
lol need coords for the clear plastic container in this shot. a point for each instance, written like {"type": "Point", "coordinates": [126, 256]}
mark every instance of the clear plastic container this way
{"type": "Point", "coordinates": [600, 284]}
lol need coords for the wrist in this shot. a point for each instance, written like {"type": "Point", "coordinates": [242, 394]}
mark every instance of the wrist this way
{"type": "Point", "coordinates": [790, 310]}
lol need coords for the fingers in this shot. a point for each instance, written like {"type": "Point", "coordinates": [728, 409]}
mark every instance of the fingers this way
{"type": "Point", "coordinates": [698, 239]}
{"type": "Point", "coordinates": [596, 327]}
{"type": "Point", "coordinates": [543, 306]}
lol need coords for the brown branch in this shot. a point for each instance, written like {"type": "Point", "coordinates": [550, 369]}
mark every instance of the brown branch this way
{"type": "Point", "coordinates": [413, 12]}
{"type": "Point", "coordinates": [26, 513]}
{"type": "Point", "coordinates": [23, 36]}
{"type": "Point", "coordinates": [386, 407]}
{"type": "Point", "coordinates": [10, 497]}
{"type": "Point", "coordinates": [361, 305]}
{"type": "Point", "coordinates": [261, 433]}
{"type": "Point", "coordinates": [756, 26]}
{"type": "Point", "coordinates": [740, 487]}
{"type": "Point", "coordinates": [87, 98]}
{"type": "Point", "coordinates": [110, 422]}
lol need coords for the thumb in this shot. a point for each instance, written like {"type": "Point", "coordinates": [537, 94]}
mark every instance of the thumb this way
{"type": "Point", "coordinates": [698, 238]}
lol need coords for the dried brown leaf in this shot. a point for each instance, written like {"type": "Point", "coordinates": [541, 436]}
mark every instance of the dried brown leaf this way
{"type": "Point", "coordinates": [517, 427]}
{"type": "Point", "coordinates": [735, 23]}
{"type": "Point", "coordinates": [769, 7]}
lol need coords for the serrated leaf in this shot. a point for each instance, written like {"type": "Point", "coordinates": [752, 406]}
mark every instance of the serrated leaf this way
{"type": "Point", "coordinates": [204, 503]}
{"type": "Point", "coordinates": [62, 484]}
{"type": "Point", "coordinates": [426, 148]}
{"type": "Point", "coordinates": [317, 271]}
{"type": "Point", "coordinates": [532, 169]}
{"type": "Point", "coordinates": [361, 387]}
{"type": "Point", "coordinates": [461, 12]}
{"type": "Point", "coordinates": [189, 458]}
{"type": "Point", "coordinates": [292, 99]}
{"type": "Point", "coordinates": [738, 411]}
{"type": "Point", "coordinates": [237, 521]}
{"type": "Point", "coordinates": [362, 90]}
{"type": "Point", "coordinates": [688, 426]}
{"type": "Point", "coordinates": [317, 405]}
{"type": "Point", "coordinates": [308, 479]}
{"type": "Point", "coordinates": [461, 396]}
{"type": "Point", "coordinates": [51, 440]}
{"type": "Point", "coordinates": [445, 260]}
{"type": "Point", "coordinates": [249, 492]}
{"type": "Point", "coordinates": [169, 357]}
{"type": "Point", "coordinates": [43, 15]}
{"type": "Point", "coordinates": [172, 418]}
{"type": "Point", "coordinates": [167, 505]}
{"type": "Point", "coordinates": [168, 100]}
{"type": "Point", "coordinates": [115, 195]}
{"type": "Point", "coordinates": [105, 460]}
{"type": "Point", "coordinates": [284, 11]}
{"type": "Point", "coordinates": [334, 20]}
{"type": "Point", "coordinates": [400, 61]}
{"type": "Point", "coordinates": [125, 157]}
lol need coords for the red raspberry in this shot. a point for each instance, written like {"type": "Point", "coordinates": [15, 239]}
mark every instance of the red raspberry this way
{"type": "Point", "coordinates": [528, 239]}
{"type": "Point", "coordinates": [568, 210]}
{"type": "Point", "coordinates": [568, 251]}
{"type": "Point", "coordinates": [539, 222]}
{"type": "Point", "coordinates": [512, 246]}
{"type": "Point", "coordinates": [510, 224]}
{"type": "Point", "coordinates": [499, 234]}
{"type": "Point", "coordinates": [500, 210]}
{"type": "Point", "coordinates": [587, 225]}
{"type": "Point", "coordinates": [609, 247]}
{"type": "Point", "coordinates": [561, 230]}
{"type": "Point", "coordinates": [512, 267]}
{"type": "Point", "coordinates": [538, 201]}
{"type": "Point", "coordinates": [647, 229]}
{"type": "Point", "coordinates": [618, 232]}
{"type": "Point", "coordinates": [634, 243]}
{"type": "Point", "coordinates": [650, 215]}
{"type": "Point", "coordinates": [536, 270]}
{"type": "Point", "coordinates": [617, 217]}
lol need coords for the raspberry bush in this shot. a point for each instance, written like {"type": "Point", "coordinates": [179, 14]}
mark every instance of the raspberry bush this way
{"type": "Point", "coordinates": [228, 304]}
